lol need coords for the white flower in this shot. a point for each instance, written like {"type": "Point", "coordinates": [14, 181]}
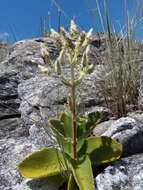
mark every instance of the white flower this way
{"type": "Point", "coordinates": [54, 34]}
{"type": "Point", "coordinates": [43, 69]}
{"type": "Point", "coordinates": [73, 27]}
{"type": "Point", "coordinates": [89, 34]}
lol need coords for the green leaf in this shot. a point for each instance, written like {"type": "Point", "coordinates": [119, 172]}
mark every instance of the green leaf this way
{"type": "Point", "coordinates": [82, 172]}
{"type": "Point", "coordinates": [47, 162]}
{"type": "Point", "coordinates": [67, 120]}
{"type": "Point", "coordinates": [57, 126]}
{"type": "Point", "coordinates": [80, 143]}
{"type": "Point", "coordinates": [103, 149]}
{"type": "Point", "coordinates": [65, 144]}
{"type": "Point", "coordinates": [87, 123]}
{"type": "Point", "coordinates": [81, 125]}
{"type": "Point", "coordinates": [72, 184]}
{"type": "Point", "coordinates": [93, 117]}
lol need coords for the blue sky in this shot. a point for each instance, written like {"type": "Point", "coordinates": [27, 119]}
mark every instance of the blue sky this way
{"type": "Point", "coordinates": [21, 19]}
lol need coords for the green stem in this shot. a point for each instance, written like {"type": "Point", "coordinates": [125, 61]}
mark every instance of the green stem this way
{"type": "Point", "coordinates": [74, 114]}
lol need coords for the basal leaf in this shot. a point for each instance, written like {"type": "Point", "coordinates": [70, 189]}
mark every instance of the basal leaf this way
{"type": "Point", "coordinates": [82, 172]}
{"type": "Point", "coordinates": [103, 149]}
{"type": "Point", "coordinates": [47, 162]}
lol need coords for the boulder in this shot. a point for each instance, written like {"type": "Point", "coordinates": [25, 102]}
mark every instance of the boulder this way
{"type": "Point", "coordinates": [126, 174]}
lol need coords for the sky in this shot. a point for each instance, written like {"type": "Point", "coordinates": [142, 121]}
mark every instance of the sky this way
{"type": "Point", "coordinates": [24, 19]}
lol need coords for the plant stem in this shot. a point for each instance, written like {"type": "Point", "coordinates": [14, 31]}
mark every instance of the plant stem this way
{"type": "Point", "coordinates": [74, 114]}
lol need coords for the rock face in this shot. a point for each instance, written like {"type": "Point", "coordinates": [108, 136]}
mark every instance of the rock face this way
{"type": "Point", "coordinates": [27, 100]}
{"type": "Point", "coordinates": [126, 174]}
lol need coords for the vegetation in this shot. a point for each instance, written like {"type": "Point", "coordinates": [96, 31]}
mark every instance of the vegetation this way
{"type": "Point", "coordinates": [120, 87]}
{"type": "Point", "coordinates": [77, 151]}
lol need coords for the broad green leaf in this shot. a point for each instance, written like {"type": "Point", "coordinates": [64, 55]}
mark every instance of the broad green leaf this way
{"type": "Point", "coordinates": [57, 126]}
{"type": "Point", "coordinates": [93, 117]}
{"type": "Point", "coordinates": [82, 172]}
{"type": "Point", "coordinates": [103, 149]}
{"type": "Point", "coordinates": [87, 123]}
{"type": "Point", "coordinates": [67, 121]}
{"type": "Point", "coordinates": [44, 163]}
{"type": "Point", "coordinates": [65, 144]}
{"type": "Point", "coordinates": [83, 149]}
{"type": "Point", "coordinates": [80, 143]}
{"type": "Point", "coordinates": [72, 184]}
{"type": "Point", "coordinates": [81, 125]}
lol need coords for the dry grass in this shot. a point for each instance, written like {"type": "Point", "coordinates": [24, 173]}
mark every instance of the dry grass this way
{"type": "Point", "coordinates": [122, 64]}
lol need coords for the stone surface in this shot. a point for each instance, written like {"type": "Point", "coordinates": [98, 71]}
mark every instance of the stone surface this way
{"type": "Point", "coordinates": [126, 174]}
{"type": "Point", "coordinates": [9, 101]}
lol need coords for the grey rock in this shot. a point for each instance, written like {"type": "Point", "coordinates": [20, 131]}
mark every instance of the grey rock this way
{"type": "Point", "coordinates": [9, 101]}
{"type": "Point", "coordinates": [40, 99]}
{"type": "Point", "coordinates": [11, 127]}
{"type": "Point", "coordinates": [126, 174]}
{"type": "Point", "coordinates": [43, 96]}
{"type": "Point", "coordinates": [4, 50]}
{"type": "Point", "coordinates": [35, 185]}
{"type": "Point", "coordinates": [102, 127]}
{"type": "Point", "coordinates": [25, 56]}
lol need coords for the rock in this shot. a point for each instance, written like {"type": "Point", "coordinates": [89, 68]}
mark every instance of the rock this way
{"type": "Point", "coordinates": [25, 56]}
{"type": "Point", "coordinates": [9, 105]}
{"type": "Point", "coordinates": [126, 174]}
{"type": "Point", "coordinates": [9, 101]}
{"type": "Point", "coordinates": [35, 185]}
{"type": "Point", "coordinates": [102, 127]}
{"type": "Point", "coordinates": [43, 96]}
{"type": "Point", "coordinates": [40, 99]}
{"type": "Point", "coordinates": [90, 92]}
{"type": "Point", "coordinates": [4, 50]}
